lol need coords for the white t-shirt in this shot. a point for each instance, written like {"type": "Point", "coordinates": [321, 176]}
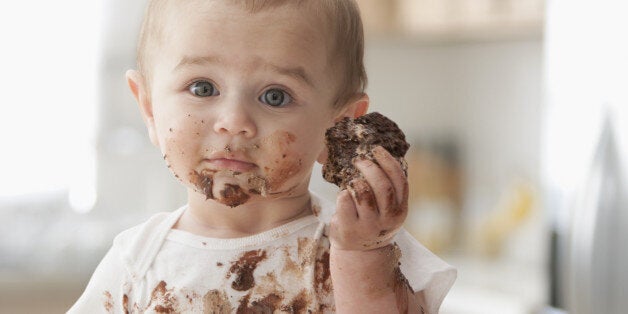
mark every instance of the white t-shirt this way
{"type": "Point", "coordinates": [152, 268]}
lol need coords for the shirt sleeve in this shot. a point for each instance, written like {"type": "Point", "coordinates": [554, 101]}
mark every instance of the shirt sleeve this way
{"type": "Point", "coordinates": [105, 292]}
{"type": "Point", "coordinates": [425, 271]}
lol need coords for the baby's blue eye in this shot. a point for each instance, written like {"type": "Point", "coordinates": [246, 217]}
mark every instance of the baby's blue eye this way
{"type": "Point", "coordinates": [203, 89]}
{"type": "Point", "coordinates": [275, 97]}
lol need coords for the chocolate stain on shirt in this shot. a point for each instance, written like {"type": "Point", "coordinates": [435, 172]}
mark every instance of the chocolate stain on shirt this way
{"type": "Point", "coordinates": [216, 301]}
{"type": "Point", "coordinates": [305, 256]}
{"type": "Point", "coordinates": [316, 210]}
{"type": "Point", "coordinates": [264, 294]}
{"type": "Point", "coordinates": [267, 304]}
{"type": "Point", "coordinates": [164, 300]}
{"type": "Point", "coordinates": [233, 195]}
{"type": "Point", "coordinates": [125, 303]}
{"type": "Point", "coordinates": [305, 250]}
{"type": "Point", "coordinates": [322, 275]}
{"type": "Point", "coordinates": [243, 307]}
{"type": "Point", "coordinates": [290, 267]}
{"type": "Point", "coordinates": [108, 303]}
{"type": "Point", "coordinates": [401, 286]}
{"type": "Point", "coordinates": [298, 304]}
{"type": "Point", "coordinates": [243, 269]}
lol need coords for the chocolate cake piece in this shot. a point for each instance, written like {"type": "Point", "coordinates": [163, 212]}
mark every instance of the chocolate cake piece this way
{"type": "Point", "coordinates": [351, 138]}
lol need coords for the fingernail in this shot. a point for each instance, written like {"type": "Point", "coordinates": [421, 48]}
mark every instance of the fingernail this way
{"type": "Point", "coordinates": [360, 160]}
{"type": "Point", "coordinates": [378, 150]}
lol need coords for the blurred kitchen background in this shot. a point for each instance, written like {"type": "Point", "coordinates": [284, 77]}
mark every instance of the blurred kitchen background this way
{"type": "Point", "coordinates": [517, 112]}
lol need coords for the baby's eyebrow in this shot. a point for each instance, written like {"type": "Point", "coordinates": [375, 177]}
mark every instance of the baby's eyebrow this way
{"type": "Point", "coordinates": [297, 72]}
{"type": "Point", "coordinates": [186, 60]}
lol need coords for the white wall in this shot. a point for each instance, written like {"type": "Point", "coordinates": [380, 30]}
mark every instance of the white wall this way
{"type": "Point", "coordinates": [485, 95]}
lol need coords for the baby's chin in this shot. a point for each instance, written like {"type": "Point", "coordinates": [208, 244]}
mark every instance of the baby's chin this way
{"type": "Point", "coordinates": [234, 188]}
{"type": "Point", "coordinates": [228, 187]}
{"type": "Point", "coordinates": [230, 192]}
{"type": "Point", "coordinates": [249, 182]}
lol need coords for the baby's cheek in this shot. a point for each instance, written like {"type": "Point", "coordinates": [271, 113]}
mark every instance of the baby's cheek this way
{"type": "Point", "coordinates": [285, 167]}
{"type": "Point", "coordinates": [285, 162]}
{"type": "Point", "coordinates": [177, 151]}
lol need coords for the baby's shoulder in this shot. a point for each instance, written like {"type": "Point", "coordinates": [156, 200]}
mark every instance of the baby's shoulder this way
{"type": "Point", "coordinates": [138, 245]}
{"type": "Point", "coordinates": [153, 225]}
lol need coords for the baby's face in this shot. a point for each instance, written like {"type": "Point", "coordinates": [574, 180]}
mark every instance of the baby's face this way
{"type": "Point", "coordinates": [241, 101]}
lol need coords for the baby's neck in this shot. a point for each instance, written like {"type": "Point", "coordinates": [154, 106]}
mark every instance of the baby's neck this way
{"type": "Point", "coordinates": [210, 219]}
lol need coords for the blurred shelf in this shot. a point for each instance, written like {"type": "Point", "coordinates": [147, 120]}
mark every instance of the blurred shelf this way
{"type": "Point", "coordinates": [453, 21]}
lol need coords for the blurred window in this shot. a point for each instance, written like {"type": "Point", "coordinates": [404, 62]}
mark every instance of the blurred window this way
{"type": "Point", "coordinates": [48, 97]}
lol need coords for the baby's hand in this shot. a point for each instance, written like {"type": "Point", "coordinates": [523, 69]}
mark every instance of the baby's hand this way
{"type": "Point", "coordinates": [371, 210]}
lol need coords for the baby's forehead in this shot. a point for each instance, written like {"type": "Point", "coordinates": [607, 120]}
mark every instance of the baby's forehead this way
{"type": "Point", "coordinates": [312, 11]}
{"type": "Point", "coordinates": [292, 25]}
{"type": "Point", "coordinates": [323, 25]}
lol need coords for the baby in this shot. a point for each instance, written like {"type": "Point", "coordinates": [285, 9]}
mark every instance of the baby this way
{"type": "Point", "coordinates": [237, 95]}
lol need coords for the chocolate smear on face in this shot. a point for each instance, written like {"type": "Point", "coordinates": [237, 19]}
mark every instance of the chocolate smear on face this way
{"type": "Point", "coordinates": [216, 301]}
{"type": "Point", "coordinates": [233, 195]}
{"type": "Point", "coordinates": [257, 185]}
{"type": "Point", "coordinates": [204, 182]}
{"type": "Point", "coordinates": [286, 170]}
{"type": "Point", "coordinates": [243, 269]}
{"type": "Point", "coordinates": [286, 163]}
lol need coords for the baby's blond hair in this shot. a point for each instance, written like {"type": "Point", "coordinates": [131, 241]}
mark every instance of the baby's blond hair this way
{"type": "Point", "coordinates": [341, 19]}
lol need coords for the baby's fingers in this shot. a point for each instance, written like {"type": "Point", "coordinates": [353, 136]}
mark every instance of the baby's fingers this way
{"type": "Point", "coordinates": [393, 170]}
{"type": "Point", "coordinates": [384, 192]}
{"type": "Point", "coordinates": [345, 208]}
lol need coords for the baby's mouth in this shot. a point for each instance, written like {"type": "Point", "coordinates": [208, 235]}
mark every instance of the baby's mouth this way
{"type": "Point", "coordinates": [234, 165]}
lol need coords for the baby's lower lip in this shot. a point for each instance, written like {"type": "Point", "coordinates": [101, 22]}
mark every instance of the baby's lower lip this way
{"type": "Point", "coordinates": [231, 164]}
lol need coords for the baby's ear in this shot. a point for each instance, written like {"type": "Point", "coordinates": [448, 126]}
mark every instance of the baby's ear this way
{"type": "Point", "coordinates": [358, 106]}
{"type": "Point", "coordinates": [137, 84]}
{"type": "Point", "coordinates": [322, 156]}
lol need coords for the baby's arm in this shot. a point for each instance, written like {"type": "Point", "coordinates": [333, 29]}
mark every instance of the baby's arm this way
{"type": "Point", "coordinates": [363, 260]}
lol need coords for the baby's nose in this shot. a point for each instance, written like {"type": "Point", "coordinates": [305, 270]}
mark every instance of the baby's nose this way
{"type": "Point", "coordinates": [234, 119]}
